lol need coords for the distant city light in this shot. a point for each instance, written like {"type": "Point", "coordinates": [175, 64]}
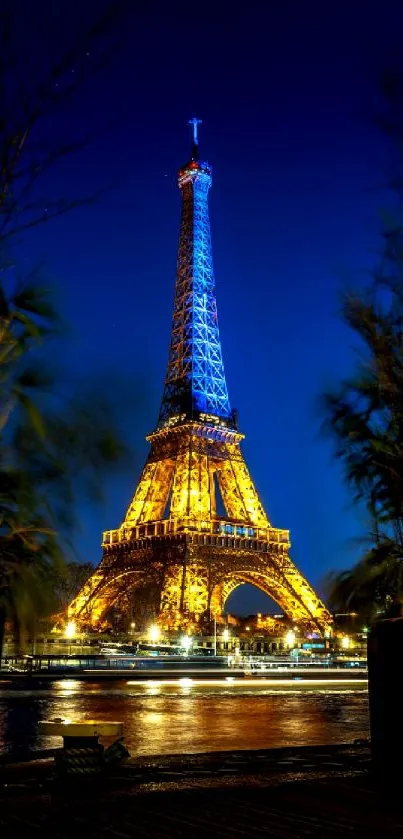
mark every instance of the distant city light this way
{"type": "Point", "coordinates": [154, 633]}
{"type": "Point", "coordinates": [290, 638]}
{"type": "Point", "coordinates": [186, 642]}
{"type": "Point", "coordinates": [70, 629]}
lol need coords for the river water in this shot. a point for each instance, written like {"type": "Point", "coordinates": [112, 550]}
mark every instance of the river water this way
{"type": "Point", "coordinates": [161, 718]}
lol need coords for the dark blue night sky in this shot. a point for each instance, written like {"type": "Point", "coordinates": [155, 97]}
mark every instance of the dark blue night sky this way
{"type": "Point", "coordinates": [286, 91]}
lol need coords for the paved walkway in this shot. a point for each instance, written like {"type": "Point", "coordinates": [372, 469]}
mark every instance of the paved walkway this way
{"type": "Point", "coordinates": [327, 809]}
{"type": "Point", "coordinates": [202, 796]}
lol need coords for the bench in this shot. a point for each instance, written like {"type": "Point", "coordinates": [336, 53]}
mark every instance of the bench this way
{"type": "Point", "coordinates": [81, 754]}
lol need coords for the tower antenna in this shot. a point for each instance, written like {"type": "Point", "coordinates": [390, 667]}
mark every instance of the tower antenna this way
{"type": "Point", "coordinates": [195, 122]}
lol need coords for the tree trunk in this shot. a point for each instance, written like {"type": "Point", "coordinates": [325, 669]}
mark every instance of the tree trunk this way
{"type": "Point", "coordinates": [385, 642]}
{"type": "Point", "coordinates": [2, 631]}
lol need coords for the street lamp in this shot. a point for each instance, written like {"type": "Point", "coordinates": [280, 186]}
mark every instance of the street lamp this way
{"type": "Point", "coordinates": [69, 632]}
{"type": "Point", "coordinates": [70, 629]}
{"type": "Point", "coordinates": [186, 643]}
{"type": "Point", "coordinates": [154, 633]}
{"type": "Point", "coordinates": [345, 642]}
{"type": "Point", "coordinates": [290, 638]}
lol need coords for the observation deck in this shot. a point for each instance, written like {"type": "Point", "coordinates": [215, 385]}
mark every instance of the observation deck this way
{"type": "Point", "coordinates": [218, 533]}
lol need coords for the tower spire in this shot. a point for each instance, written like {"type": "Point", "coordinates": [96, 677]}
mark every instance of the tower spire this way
{"type": "Point", "coordinates": [195, 122]}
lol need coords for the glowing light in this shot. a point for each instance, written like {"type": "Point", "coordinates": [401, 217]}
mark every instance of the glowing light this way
{"type": "Point", "coordinates": [186, 642]}
{"type": "Point", "coordinates": [345, 642]}
{"type": "Point", "coordinates": [225, 634]}
{"type": "Point", "coordinates": [70, 629]}
{"type": "Point", "coordinates": [290, 638]}
{"type": "Point", "coordinates": [153, 688]}
{"type": "Point", "coordinates": [154, 633]}
{"type": "Point", "coordinates": [185, 682]}
{"type": "Point", "coordinates": [70, 685]}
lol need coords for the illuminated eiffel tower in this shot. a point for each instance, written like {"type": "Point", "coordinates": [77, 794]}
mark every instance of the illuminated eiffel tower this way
{"type": "Point", "coordinates": [173, 535]}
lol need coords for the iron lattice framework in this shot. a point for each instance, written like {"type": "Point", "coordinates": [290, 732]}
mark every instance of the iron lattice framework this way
{"type": "Point", "coordinates": [195, 380]}
{"type": "Point", "coordinates": [173, 537]}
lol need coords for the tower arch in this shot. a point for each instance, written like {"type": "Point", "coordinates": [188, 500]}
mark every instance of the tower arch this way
{"type": "Point", "coordinates": [276, 587]}
{"type": "Point", "coordinates": [100, 594]}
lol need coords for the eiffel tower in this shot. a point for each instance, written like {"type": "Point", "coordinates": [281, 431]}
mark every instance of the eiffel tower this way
{"type": "Point", "coordinates": [173, 535]}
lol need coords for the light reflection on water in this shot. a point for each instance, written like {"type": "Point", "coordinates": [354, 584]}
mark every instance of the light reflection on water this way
{"type": "Point", "coordinates": [187, 717]}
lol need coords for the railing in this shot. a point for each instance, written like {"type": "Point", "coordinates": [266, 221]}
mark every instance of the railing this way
{"type": "Point", "coordinates": [166, 527]}
{"type": "Point", "coordinates": [261, 662]}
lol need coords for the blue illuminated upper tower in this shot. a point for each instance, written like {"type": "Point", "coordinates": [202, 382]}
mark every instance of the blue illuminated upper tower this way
{"type": "Point", "coordinates": [195, 380]}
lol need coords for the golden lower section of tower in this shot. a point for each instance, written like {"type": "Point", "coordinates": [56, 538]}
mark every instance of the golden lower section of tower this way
{"type": "Point", "coordinates": [178, 548]}
{"type": "Point", "coordinates": [193, 567]}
